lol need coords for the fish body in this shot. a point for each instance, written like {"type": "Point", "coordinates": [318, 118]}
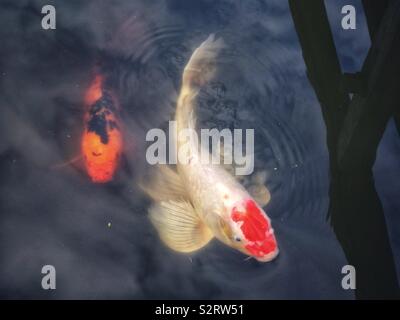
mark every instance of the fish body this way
{"type": "Point", "coordinates": [101, 142]}
{"type": "Point", "coordinates": [204, 200]}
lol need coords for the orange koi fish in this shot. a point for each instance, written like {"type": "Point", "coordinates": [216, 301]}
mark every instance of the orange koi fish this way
{"type": "Point", "coordinates": [101, 143]}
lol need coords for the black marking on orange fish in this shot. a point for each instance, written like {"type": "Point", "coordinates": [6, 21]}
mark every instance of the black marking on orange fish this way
{"type": "Point", "coordinates": [97, 122]}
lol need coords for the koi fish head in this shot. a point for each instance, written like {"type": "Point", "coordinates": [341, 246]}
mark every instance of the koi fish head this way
{"type": "Point", "coordinates": [101, 158]}
{"type": "Point", "coordinates": [251, 231]}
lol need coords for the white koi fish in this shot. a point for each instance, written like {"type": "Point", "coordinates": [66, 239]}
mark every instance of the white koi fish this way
{"type": "Point", "coordinates": [198, 202]}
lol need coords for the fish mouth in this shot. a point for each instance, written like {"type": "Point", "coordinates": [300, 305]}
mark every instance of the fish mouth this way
{"type": "Point", "coordinates": [269, 256]}
{"type": "Point", "coordinates": [264, 251]}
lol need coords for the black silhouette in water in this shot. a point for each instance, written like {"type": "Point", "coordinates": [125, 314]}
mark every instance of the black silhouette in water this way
{"type": "Point", "coordinates": [355, 127]}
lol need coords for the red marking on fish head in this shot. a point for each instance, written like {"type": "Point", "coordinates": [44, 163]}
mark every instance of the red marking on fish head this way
{"type": "Point", "coordinates": [259, 241]}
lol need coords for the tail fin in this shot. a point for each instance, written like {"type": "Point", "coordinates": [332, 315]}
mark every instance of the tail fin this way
{"type": "Point", "coordinates": [201, 66]}
{"type": "Point", "coordinates": [199, 70]}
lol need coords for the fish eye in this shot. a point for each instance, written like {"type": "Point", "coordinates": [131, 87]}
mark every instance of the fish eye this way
{"type": "Point", "coordinates": [237, 239]}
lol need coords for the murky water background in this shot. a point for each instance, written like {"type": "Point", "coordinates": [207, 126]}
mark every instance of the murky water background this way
{"type": "Point", "coordinates": [54, 215]}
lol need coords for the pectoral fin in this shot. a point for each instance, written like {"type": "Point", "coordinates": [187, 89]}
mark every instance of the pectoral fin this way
{"type": "Point", "coordinates": [258, 190]}
{"type": "Point", "coordinates": [260, 194]}
{"type": "Point", "coordinates": [72, 161]}
{"type": "Point", "coordinates": [179, 226]}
